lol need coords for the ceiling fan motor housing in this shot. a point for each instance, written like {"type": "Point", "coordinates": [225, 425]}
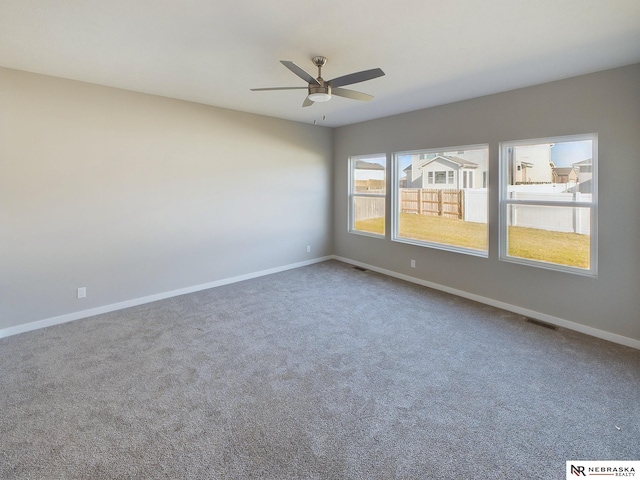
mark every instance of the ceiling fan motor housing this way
{"type": "Point", "coordinates": [320, 93]}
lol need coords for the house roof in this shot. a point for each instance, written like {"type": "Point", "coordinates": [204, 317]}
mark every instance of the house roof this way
{"type": "Point", "coordinates": [363, 165]}
{"type": "Point", "coordinates": [588, 161]}
{"type": "Point", "coordinates": [458, 161]}
{"type": "Point", "coordinates": [563, 170]}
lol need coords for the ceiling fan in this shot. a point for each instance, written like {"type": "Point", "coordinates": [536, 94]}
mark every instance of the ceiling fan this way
{"type": "Point", "coordinates": [320, 90]}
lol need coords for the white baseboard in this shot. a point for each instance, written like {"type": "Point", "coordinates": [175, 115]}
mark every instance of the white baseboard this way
{"type": "Point", "coordinates": [612, 337]}
{"type": "Point", "coordinates": [27, 327]}
{"type": "Point", "coordinates": [594, 332]}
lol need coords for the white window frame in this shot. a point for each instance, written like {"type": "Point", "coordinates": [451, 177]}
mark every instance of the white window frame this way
{"type": "Point", "coordinates": [353, 195]}
{"type": "Point", "coordinates": [395, 202]}
{"type": "Point", "coordinates": [505, 202]}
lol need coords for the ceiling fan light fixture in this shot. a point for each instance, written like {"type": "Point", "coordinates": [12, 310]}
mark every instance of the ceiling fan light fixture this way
{"type": "Point", "coordinates": [319, 97]}
{"type": "Point", "coordinates": [320, 90]}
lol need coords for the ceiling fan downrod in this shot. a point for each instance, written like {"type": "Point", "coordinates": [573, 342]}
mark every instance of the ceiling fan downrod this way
{"type": "Point", "coordinates": [319, 62]}
{"type": "Point", "coordinates": [322, 91]}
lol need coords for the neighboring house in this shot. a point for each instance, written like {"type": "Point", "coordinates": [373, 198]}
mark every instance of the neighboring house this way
{"type": "Point", "coordinates": [439, 171]}
{"type": "Point", "coordinates": [369, 177]}
{"type": "Point", "coordinates": [585, 175]}
{"type": "Point", "coordinates": [584, 168]}
{"type": "Point", "coordinates": [364, 165]}
{"type": "Point", "coordinates": [564, 174]}
{"type": "Point", "coordinates": [531, 164]}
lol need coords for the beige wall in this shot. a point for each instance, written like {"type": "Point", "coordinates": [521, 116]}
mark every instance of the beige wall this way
{"type": "Point", "coordinates": [131, 195]}
{"type": "Point", "coordinates": [607, 103]}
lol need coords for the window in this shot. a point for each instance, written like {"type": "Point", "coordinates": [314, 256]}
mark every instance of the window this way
{"type": "Point", "coordinates": [430, 207]}
{"type": "Point", "coordinates": [367, 192]}
{"type": "Point", "coordinates": [548, 212]}
{"type": "Point", "coordinates": [467, 180]}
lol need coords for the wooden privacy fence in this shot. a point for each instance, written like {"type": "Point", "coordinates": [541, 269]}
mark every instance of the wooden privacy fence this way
{"type": "Point", "coordinates": [365, 208]}
{"type": "Point", "coordinates": [443, 203]}
{"type": "Point", "coordinates": [370, 186]}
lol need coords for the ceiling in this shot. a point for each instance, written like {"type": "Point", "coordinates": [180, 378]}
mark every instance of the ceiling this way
{"type": "Point", "coordinates": [213, 51]}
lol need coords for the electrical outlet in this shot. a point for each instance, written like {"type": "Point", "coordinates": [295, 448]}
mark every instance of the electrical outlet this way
{"type": "Point", "coordinates": [308, 248]}
{"type": "Point", "coordinates": [413, 263]}
{"type": "Point", "coordinates": [82, 292]}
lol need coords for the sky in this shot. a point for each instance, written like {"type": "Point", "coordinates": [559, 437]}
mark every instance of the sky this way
{"type": "Point", "coordinates": [404, 161]}
{"type": "Point", "coordinates": [563, 154]}
{"type": "Point", "coordinates": [567, 153]}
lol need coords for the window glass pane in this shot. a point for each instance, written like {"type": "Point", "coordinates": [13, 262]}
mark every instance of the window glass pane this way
{"type": "Point", "coordinates": [538, 178]}
{"type": "Point", "coordinates": [368, 214]}
{"type": "Point", "coordinates": [369, 175]}
{"type": "Point", "coordinates": [432, 204]}
{"type": "Point", "coordinates": [548, 169]}
{"type": "Point", "coordinates": [558, 235]}
{"type": "Point", "coordinates": [368, 194]}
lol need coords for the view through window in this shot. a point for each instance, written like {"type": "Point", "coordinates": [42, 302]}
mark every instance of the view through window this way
{"type": "Point", "coordinates": [368, 193]}
{"type": "Point", "coordinates": [548, 202]}
{"type": "Point", "coordinates": [440, 198]}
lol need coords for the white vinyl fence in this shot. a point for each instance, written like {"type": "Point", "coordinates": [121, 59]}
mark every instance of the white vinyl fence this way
{"type": "Point", "coordinates": [475, 205]}
{"type": "Point", "coordinates": [558, 219]}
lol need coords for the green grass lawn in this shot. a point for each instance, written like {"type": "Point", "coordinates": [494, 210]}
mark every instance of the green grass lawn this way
{"type": "Point", "coordinates": [372, 225]}
{"type": "Point", "coordinates": [450, 231]}
{"type": "Point", "coordinates": [555, 247]}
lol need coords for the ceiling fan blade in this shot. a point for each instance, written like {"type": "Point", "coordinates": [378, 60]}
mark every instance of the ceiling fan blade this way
{"type": "Point", "coordinates": [277, 88]}
{"type": "Point", "coordinates": [307, 102]}
{"type": "Point", "coordinates": [343, 92]}
{"type": "Point", "coordinates": [356, 77]}
{"type": "Point", "coordinates": [299, 72]}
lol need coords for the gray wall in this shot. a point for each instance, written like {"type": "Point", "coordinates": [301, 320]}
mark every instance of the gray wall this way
{"type": "Point", "coordinates": [132, 195]}
{"type": "Point", "coordinates": [607, 103]}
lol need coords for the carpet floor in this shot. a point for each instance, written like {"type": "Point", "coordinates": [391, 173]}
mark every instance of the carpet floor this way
{"type": "Point", "coordinates": [322, 372]}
